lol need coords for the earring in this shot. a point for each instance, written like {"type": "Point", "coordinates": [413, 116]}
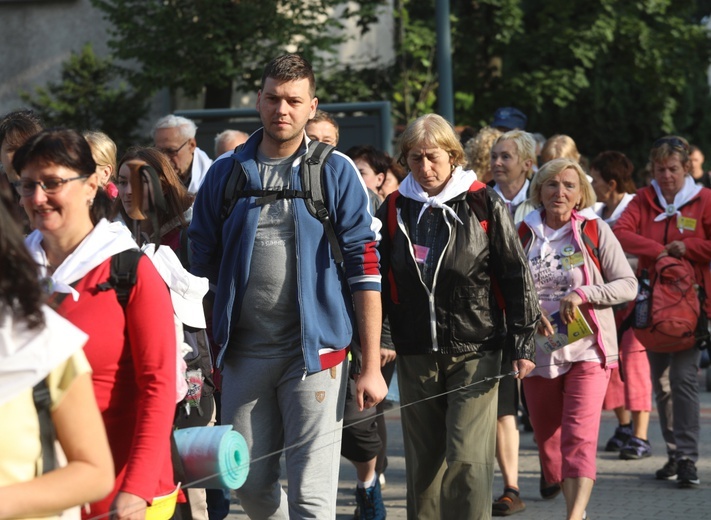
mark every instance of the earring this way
{"type": "Point", "coordinates": [90, 202]}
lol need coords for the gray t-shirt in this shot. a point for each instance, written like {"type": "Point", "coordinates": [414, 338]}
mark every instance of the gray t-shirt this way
{"type": "Point", "coordinates": [269, 325]}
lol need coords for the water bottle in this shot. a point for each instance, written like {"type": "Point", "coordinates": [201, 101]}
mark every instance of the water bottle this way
{"type": "Point", "coordinates": [641, 306]}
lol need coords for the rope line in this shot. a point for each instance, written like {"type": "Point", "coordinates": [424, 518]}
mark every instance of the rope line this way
{"type": "Point", "coordinates": [371, 418]}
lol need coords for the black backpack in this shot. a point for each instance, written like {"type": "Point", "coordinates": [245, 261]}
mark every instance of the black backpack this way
{"type": "Point", "coordinates": [314, 161]}
{"type": "Point", "coordinates": [122, 279]}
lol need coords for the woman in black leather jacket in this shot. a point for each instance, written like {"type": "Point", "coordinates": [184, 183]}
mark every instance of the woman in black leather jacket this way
{"type": "Point", "coordinates": [451, 262]}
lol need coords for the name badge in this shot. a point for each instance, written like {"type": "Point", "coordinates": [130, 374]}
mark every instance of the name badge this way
{"type": "Point", "coordinates": [572, 261]}
{"type": "Point", "coordinates": [421, 253]}
{"type": "Point", "coordinates": [686, 223]}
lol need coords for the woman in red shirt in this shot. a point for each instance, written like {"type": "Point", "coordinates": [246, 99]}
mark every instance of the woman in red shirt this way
{"type": "Point", "coordinates": [672, 217]}
{"type": "Point", "coordinates": [132, 351]}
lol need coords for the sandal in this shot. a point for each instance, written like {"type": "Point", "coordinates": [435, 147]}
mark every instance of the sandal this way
{"type": "Point", "coordinates": [636, 449]}
{"type": "Point", "coordinates": [507, 504]}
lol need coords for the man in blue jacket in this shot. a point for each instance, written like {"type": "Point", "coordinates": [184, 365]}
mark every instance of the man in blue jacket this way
{"type": "Point", "coordinates": [284, 309]}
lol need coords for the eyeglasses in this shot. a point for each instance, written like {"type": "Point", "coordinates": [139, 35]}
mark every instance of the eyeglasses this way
{"type": "Point", "coordinates": [172, 153]}
{"type": "Point", "coordinates": [673, 142]}
{"type": "Point", "coordinates": [27, 187]}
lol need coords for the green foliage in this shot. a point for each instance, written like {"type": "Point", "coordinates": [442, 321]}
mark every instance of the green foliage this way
{"type": "Point", "coordinates": [613, 75]}
{"type": "Point", "coordinates": [89, 97]}
{"type": "Point", "coordinates": [610, 74]}
{"type": "Point", "coordinates": [190, 44]}
{"type": "Point", "coordinates": [410, 83]}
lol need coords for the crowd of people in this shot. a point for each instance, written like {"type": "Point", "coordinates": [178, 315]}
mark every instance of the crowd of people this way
{"type": "Point", "coordinates": [497, 277]}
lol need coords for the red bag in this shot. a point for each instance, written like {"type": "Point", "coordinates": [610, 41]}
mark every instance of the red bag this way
{"type": "Point", "coordinates": [674, 307]}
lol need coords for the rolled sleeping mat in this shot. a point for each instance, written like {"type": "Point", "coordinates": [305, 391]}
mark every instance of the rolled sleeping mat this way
{"type": "Point", "coordinates": [214, 457]}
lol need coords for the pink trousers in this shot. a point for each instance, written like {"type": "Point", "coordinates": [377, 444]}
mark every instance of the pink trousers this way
{"type": "Point", "coordinates": [565, 415]}
{"type": "Point", "coordinates": [635, 392]}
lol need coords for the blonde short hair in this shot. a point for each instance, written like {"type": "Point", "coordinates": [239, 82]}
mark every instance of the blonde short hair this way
{"type": "Point", "coordinates": [667, 146]}
{"type": "Point", "coordinates": [555, 167]}
{"type": "Point", "coordinates": [559, 146]}
{"type": "Point", "coordinates": [525, 146]}
{"type": "Point", "coordinates": [434, 130]}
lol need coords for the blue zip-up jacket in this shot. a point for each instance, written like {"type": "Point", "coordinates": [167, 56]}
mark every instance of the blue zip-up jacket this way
{"type": "Point", "coordinates": [222, 252]}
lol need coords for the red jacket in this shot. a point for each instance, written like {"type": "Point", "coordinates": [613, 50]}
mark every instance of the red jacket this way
{"type": "Point", "coordinates": [134, 376]}
{"type": "Point", "coordinates": [641, 236]}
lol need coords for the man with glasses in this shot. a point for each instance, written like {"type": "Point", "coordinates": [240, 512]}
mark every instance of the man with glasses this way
{"type": "Point", "coordinates": [175, 137]}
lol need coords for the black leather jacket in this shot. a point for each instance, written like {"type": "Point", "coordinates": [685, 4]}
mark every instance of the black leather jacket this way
{"type": "Point", "coordinates": [464, 311]}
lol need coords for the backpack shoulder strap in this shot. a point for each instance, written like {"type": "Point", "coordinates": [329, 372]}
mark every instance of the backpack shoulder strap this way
{"type": "Point", "coordinates": [479, 204]}
{"type": "Point", "coordinates": [235, 183]}
{"type": "Point", "coordinates": [591, 240]}
{"type": "Point", "coordinates": [524, 234]}
{"type": "Point", "coordinates": [312, 180]}
{"type": "Point", "coordinates": [122, 278]}
{"type": "Point", "coordinates": [392, 213]}
{"type": "Point", "coordinates": [184, 250]}
{"type": "Point", "coordinates": [43, 405]}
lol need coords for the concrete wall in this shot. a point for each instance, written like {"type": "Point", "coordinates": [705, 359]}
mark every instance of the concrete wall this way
{"type": "Point", "coordinates": [37, 36]}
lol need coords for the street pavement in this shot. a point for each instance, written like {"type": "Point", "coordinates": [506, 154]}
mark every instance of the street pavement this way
{"type": "Point", "coordinates": [624, 489]}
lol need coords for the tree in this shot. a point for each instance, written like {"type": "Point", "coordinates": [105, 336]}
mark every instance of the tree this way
{"type": "Point", "coordinates": [613, 75]}
{"type": "Point", "coordinates": [89, 97]}
{"type": "Point", "coordinates": [216, 45]}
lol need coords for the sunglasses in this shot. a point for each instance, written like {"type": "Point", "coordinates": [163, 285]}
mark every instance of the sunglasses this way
{"type": "Point", "coordinates": [672, 142]}
{"type": "Point", "coordinates": [28, 187]}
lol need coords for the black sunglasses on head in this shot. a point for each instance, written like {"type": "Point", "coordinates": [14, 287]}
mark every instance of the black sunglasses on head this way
{"type": "Point", "coordinates": [673, 142]}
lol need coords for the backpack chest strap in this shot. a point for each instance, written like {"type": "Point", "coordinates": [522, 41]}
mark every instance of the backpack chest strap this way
{"type": "Point", "coordinates": [269, 196]}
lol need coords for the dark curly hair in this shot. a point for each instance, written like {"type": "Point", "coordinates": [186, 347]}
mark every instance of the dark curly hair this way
{"type": "Point", "coordinates": [20, 291]}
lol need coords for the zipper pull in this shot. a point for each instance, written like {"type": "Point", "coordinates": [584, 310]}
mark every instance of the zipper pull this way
{"type": "Point", "coordinates": [303, 378]}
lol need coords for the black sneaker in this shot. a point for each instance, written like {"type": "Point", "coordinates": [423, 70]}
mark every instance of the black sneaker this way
{"type": "Point", "coordinates": [686, 474]}
{"type": "Point", "coordinates": [620, 438]}
{"type": "Point", "coordinates": [668, 472]}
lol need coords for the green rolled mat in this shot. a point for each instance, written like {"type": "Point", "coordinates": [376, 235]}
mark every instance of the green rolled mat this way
{"type": "Point", "coordinates": [213, 457]}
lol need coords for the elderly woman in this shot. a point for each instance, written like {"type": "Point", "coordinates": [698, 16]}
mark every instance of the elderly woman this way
{"type": "Point", "coordinates": [673, 217]}
{"type": "Point", "coordinates": [132, 351]}
{"type": "Point", "coordinates": [448, 248]}
{"type": "Point", "coordinates": [631, 399]}
{"type": "Point", "coordinates": [565, 391]}
{"type": "Point", "coordinates": [512, 158]}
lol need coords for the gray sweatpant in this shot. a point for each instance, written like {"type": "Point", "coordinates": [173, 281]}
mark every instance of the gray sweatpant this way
{"type": "Point", "coordinates": [676, 389]}
{"type": "Point", "coordinates": [274, 409]}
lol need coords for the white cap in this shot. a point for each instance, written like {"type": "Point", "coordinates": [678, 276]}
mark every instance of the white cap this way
{"type": "Point", "coordinates": [186, 290]}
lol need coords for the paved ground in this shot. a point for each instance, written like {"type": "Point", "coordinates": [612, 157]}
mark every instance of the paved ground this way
{"type": "Point", "coordinates": [624, 490]}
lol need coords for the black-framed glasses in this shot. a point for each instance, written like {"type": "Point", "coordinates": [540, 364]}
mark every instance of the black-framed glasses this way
{"type": "Point", "coordinates": [27, 187]}
{"type": "Point", "coordinates": [172, 153]}
{"type": "Point", "coordinates": [673, 142]}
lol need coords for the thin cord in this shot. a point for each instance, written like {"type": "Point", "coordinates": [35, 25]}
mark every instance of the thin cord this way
{"type": "Point", "coordinates": [371, 418]}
